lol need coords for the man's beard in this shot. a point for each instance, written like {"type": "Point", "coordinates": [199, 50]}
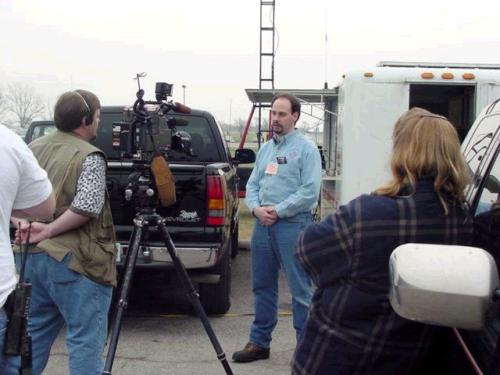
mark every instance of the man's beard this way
{"type": "Point", "coordinates": [277, 129]}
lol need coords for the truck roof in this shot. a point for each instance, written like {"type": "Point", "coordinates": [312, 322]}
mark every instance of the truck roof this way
{"type": "Point", "coordinates": [121, 108]}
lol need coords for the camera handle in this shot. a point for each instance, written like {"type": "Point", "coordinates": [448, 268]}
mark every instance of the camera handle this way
{"type": "Point", "coordinates": [142, 221]}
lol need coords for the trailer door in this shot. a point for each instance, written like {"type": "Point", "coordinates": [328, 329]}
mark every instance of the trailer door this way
{"type": "Point", "coordinates": [455, 102]}
{"type": "Point", "coordinates": [368, 117]}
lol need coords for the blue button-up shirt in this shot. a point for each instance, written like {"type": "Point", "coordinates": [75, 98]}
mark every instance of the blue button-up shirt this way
{"type": "Point", "coordinates": [295, 186]}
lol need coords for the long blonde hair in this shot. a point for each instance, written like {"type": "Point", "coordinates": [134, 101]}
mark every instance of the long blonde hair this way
{"type": "Point", "coordinates": [426, 146]}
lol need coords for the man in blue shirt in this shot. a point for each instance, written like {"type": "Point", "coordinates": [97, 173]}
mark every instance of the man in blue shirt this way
{"type": "Point", "coordinates": [281, 192]}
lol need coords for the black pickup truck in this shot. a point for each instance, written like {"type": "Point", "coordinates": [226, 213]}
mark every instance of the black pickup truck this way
{"type": "Point", "coordinates": [203, 223]}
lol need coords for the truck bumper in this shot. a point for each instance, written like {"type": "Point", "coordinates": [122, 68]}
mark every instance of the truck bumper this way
{"type": "Point", "coordinates": [159, 257]}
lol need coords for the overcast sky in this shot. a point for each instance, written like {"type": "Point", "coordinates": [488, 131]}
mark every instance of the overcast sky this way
{"type": "Point", "coordinates": [212, 47]}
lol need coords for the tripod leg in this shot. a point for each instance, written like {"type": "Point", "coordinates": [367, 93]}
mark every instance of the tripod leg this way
{"type": "Point", "coordinates": [193, 295]}
{"type": "Point", "coordinates": [131, 258]}
{"type": "Point", "coordinates": [118, 291]}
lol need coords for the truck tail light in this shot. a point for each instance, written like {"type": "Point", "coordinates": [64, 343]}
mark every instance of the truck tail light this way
{"type": "Point", "coordinates": [216, 208]}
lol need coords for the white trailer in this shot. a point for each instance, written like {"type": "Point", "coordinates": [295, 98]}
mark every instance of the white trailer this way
{"type": "Point", "coordinates": [371, 100]}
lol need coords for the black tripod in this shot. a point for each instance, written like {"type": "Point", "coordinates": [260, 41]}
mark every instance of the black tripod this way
{"type": "Point", "coordinates": [145, 218]}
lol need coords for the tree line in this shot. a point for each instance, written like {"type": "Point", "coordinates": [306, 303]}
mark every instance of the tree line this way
{"type": "Point", "coordinates": [20, 105]}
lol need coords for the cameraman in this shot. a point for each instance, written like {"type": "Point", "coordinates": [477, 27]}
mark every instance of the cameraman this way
{"type": "Point", "coordinates": [25, 191]}
{"type": "Point", "coordinates": [72, 267]}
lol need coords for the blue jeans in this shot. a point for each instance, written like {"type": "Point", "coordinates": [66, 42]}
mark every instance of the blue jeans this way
{"type": "Point", "coordinates": [61, 296]}
{"type": "Point", "coordinates": [272, 248]}
{"type": "Point", "coordinates": [3, 330]}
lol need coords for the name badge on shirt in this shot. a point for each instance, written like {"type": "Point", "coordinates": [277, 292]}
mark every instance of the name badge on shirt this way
{"type": "Point", "coordinates": [281, 159]}
{"type": "Point", "coordinates": [272, 168]}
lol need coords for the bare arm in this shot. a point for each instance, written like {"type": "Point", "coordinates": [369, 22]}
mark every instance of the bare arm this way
{"type": "Point", "coordinates": [67, 221]}
{"type": "Point", "coordinates": [41, 231]}
{"type": "Point", "coordinates": [42, 211]}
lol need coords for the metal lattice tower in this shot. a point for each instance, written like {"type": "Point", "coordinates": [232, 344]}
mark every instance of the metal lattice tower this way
{"type": "Point", "coordinates": [266, 56]}
{"type": "Point", "coordinates": [266, 78]}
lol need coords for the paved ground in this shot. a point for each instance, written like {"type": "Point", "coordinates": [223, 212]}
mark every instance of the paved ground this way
{"type": "Point", "coordinates": [161, 336]}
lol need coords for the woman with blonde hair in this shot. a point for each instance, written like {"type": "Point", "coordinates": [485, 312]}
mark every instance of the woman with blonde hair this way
{"type": "Point", "coordinates": [351, 326]}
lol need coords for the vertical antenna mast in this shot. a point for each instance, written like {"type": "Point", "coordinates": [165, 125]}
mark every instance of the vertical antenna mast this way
{"type": "Point", "coordinates": [326, 48]}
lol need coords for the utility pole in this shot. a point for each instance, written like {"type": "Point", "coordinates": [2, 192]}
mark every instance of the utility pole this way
{"type": "Point", "coordinates": [183, 94]}
{"type": "Point", "coordinates": [230, 118]}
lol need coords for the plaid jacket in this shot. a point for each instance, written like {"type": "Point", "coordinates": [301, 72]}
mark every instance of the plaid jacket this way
{"type": "Point", "coordinates": [351, 326]}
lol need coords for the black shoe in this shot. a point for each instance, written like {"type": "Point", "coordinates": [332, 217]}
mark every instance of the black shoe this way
{"type": "Point", "coordinates": [251, 353]}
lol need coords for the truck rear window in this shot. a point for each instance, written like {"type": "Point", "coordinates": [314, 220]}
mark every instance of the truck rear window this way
{"type": "Point", "coordinates": [203, 140]}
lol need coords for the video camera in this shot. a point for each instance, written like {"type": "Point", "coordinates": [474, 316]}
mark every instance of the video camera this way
{"type": "Point", "coordinates": [146, 139]}
{"type": "Point", "coordinates": [150, 128]}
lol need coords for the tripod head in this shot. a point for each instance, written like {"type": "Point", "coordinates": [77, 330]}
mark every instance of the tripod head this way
{"type": "Point", "coordinates": [141, 189]}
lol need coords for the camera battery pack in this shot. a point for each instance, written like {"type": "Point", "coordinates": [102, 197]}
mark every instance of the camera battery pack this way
{"type": "Point", "coordinates": [18, 319]}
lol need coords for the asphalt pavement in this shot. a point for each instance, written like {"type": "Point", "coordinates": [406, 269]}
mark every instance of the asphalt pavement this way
{"type": "Point", "coordinates": [160, 334]}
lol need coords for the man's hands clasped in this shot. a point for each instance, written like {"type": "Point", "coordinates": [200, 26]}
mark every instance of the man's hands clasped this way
{"type": "Point", "coordinates": [267, 215]}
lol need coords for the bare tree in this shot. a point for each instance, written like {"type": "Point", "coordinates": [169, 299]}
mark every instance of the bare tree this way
{"type": "Point", "coordinates": [3, 107]}
{"type": "Point", "coordinates": [240, 124]}
{"type": "Point", "coordinates": [49, 110]}
{"type": "Point", "coordinates": [23, 103]}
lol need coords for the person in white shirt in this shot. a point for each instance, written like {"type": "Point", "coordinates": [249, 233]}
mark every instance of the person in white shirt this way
{"type": "Point", "coordinates": [25, 193]}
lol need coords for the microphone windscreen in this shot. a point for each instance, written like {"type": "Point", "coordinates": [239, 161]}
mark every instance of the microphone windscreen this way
{"type": "Point", "coordinates": [164, 179]}
{"type": "Point", "coordinates": [181, 108]}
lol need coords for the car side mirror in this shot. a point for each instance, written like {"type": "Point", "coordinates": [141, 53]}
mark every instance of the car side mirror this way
{"type": "Point", "coordinates": [492, 184]}
{"type": "Point", "coordinates": [244, 156]}
{"type": "Point", "coordinates": [446, 285]}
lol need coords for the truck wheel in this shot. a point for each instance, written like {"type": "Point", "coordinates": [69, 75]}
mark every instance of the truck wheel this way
{"type": "Point", "coordinates": [216, 298]}
{"type": "Point", "coordinates": [234, 242]}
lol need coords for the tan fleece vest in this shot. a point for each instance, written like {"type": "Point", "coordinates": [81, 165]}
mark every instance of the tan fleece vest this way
{"type": "Point", "coordinates": [92, 245]}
